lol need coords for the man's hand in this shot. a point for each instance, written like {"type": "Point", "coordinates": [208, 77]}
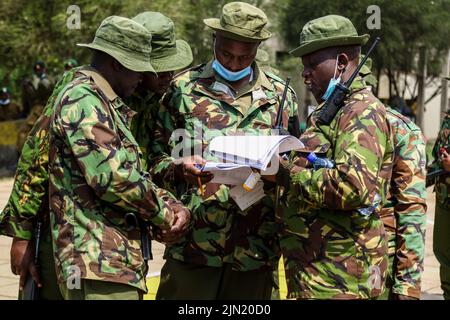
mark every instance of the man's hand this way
{"type": "Point", "coordinates": [445, 158]}
{"type": "Point", "coordinates": [189, 172]}
{"type": "Point", "coordinates": [22, 256]}
{"type": "Point", "coordinates": [179, 228]}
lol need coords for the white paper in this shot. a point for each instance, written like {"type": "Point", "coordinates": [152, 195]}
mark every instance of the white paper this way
{"type": "Point", "coordinates": [227, 173]}
{"type": "Point", "coordinates": [253, 151]}
{"type": "Point", "coordinates": [244, 199]}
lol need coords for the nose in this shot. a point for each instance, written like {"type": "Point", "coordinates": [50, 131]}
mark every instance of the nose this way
{"type": "Point", "coordinates": [234, 64]}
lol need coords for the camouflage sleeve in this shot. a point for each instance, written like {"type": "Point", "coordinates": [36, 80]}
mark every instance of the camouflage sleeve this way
{"type": "Point", "coordinates": [31, 178]}
{"type": "Point", "coordinates": [162, 166]}
{"type": "Point", "coordinates": [30, 184]}
{"type": "Point", "coordinates": [109, 169]}
{"type": "Point", "coordinates": [408, 178]}
{"type": "Point", "coordinates": [358, 156]}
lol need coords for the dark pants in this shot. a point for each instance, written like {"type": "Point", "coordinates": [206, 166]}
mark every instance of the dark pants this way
{"type": "Point", "coordinates": [180, 280]}
{"type": "Point", "coordinates": [441, 245]}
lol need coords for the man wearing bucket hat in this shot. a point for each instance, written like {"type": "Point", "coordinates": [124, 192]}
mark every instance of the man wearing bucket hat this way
{"type": "Point", "coordinates": [119, 44]}
{"type": "Point", "coordinates": [230, 253]}
{"type": "Point", "coordinates": [404, 213]}
{"type": "Point", "coordinates": [167, 56]}
{"type": "Point", "coordinates": [441, 231]}
{"type": "Point", "coordinates": [333, 241]}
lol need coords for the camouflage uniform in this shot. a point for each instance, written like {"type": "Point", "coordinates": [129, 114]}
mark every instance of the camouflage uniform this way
{"type": "Point", "coordinates": [90, 142]}
{"type": "Point", "coordinates": [168, 54]}
{"type": "Point", "coordinates": [441, 243]}
{"type": "Point", "coordinates": [149, 114]}
{"type": "Point", "coordinates": [96, 176]}
{"type": "Point", "coordinates": [28, 200]}
{"type": "Point", "coordinates": [404, 214]}
{"type": "Point", "coordinates": [331, 250]}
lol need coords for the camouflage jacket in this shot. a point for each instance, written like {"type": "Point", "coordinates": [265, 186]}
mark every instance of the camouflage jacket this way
{"type": "Point", "coordinates": [203, 104]}
{"type": "Point", "coordinates": [29, 195]}
{"type": "Point", "coordinates": [442, 186]}
{"type": "Point", "coordinates": [330, 249]}
{"type": "Point", "coordinates": [404, 214]}
{"type": "Point", "coordinates": [149, 113]}
{"type": "Point", "coordinates": [95, 178]}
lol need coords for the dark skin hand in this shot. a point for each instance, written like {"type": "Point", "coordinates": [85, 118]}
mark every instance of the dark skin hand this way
{"type": "Point", "coordinates": [179, 228]}
{"type": "Point", "coordinates": [22, 256]}
{"type": "Point", "coordinates": [190, 173]}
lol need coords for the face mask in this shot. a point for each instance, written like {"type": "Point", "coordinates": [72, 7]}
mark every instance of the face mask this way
{"type": "Point", "coordinates": [332, 84]}
{"type": "Point", "coordinates": [227, 74]}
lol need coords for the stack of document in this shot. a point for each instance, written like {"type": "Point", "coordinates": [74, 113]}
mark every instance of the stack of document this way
{"type": "Point", "coordinates": [242, 153]}
{"type": "Point", "coordinates": [252, 151]}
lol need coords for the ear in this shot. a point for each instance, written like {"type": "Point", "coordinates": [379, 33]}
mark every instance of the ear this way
{"type": "Point", "coordinates": [343, 61]}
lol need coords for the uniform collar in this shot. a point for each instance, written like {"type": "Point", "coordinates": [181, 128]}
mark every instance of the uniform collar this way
{"type": "Point", "coordinates": [101, 82]}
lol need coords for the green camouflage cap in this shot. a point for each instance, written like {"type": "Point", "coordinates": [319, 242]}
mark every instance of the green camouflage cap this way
{"type": "Point", "coordinates": [167, 54]}
{"type": "Point", "coordinates": [325, 32]}
{"type": "Point", "coordinates": [241, 21]}
{"type": "Point", "coordinates": [126, 41]}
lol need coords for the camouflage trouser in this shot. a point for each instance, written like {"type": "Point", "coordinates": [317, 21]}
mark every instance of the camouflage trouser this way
{"type": "Point", "coordinates": [47, 272]}
{"type": "Point", "coordinates": [185, 281]}
{"type": "Point", "coordinates": [441, 245]}
{"type": "Point", "coordinates": [389, 280]}
{"type": "Point", "coordinates": [101, 290]}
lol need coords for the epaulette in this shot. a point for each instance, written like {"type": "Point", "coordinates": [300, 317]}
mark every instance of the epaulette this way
{"type": "Point", "coordinates": [197, 68]}
{"type": "Point", "coordinates": [406, 121]}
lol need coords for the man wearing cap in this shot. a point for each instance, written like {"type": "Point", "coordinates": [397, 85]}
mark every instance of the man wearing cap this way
{"type": "Point", "coordinates": [230, 253]}
{"type": "Point", "coordinates": [333, 241]}
{"type": "Point", "coordinates": [119, 44]}
{"type": "Point", "coordinates": [441, 231]}
{"type": "Point", "coordinates": [167, 56]}
{"type": "Point", "coordinates": [404, 213]}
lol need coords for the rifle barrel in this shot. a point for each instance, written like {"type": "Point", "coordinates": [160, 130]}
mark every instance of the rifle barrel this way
{"type": "Point", "coordinates": [353, 76]}
{"type": "Point", "coordinates": [278, 124]}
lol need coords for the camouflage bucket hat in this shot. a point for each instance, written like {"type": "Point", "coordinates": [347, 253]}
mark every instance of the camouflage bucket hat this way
{"type": "Point", "coordinates": [126, 41]}
{"type": "Point", "coordinates": [325, 32]}
{"type": "Point", "coordinates": [241, 21]}
{"type": "Point", "coordinates": [167, 53]}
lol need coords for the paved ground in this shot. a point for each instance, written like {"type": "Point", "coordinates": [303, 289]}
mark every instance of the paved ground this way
{"type": "Point", "coordinates": [9, 282]}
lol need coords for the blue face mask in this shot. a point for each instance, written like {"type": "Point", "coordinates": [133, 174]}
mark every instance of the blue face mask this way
{"type": "Point", "coordinates": [332, 84]}
{"type": "Point", "coordinates": [227, 74]}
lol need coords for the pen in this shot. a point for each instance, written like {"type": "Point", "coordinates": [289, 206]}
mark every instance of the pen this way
{"type": "Point", "coordinates": [200, 186]}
